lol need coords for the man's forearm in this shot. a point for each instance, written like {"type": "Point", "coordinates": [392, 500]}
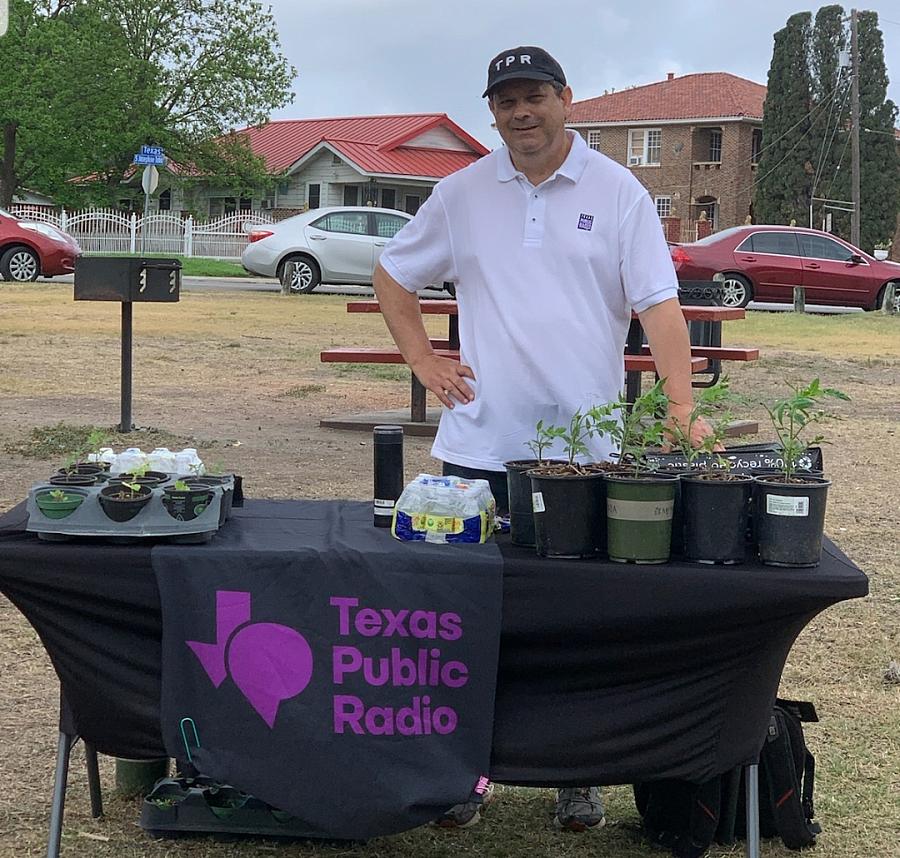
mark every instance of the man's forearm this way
{"type": "Point", "coordinates": [401, 312]}
{"type": "Point", "coordinates": [670, 345]}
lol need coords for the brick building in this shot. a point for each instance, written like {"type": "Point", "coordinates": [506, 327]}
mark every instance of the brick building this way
{"type": "Point", "coordinates": [692, 141]}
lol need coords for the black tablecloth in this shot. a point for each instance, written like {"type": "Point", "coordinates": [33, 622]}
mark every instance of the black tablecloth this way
{"type": "Point", "coordinates": [608, 673]}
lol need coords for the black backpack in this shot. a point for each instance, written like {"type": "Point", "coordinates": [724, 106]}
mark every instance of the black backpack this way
{"type": "Point", "coordinates": [687, 818]}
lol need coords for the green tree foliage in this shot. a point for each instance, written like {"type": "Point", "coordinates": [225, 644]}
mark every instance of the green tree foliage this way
{"type": "Point", "coordinates": [820, 165]}
{"type": "Point", "coordinates": [785, 171]}
{"type": "Point", "coordinates": [58, 68]}
{"type": "Point", "coordinates": [879, 165]}
{"type": "Point", "coordinates": [115, 74]}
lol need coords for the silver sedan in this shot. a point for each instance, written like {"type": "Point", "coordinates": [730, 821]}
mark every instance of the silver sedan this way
{"type": "Point", "coordinates": [326, 245]}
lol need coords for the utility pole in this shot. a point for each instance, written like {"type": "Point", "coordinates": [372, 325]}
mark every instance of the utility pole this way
{"type": "Point", "coordinates": [854, 131]}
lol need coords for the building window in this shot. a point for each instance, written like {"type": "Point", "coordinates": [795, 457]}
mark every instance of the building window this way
{"type": "Point", "coordinates": [222, 206]}
{"type": "Point", "coordinates": [351, 195]}
{"type": "Point", "coordinates": [312, 196]}
{"type": "Point", "coordinates": [715, 145]}
{"type": "Point", "coordinates": [644, 145]}
{"type": "Point", "coordinates": [245, 204]}
{"type": "Point", "coordinates": [664, 206]}
{"type": "Point", "coordinates": [165, 200]}
{"type": "Point", "coordinates": [756, 145]}
{"type": "Point", "coordinates": [336, 159]}
{"type": "Point", "coordinates": [594, 140]}
{"type": "Point", "coordinates": [388, 198]}
{"type": "Point", "coordinates": [412, 203]}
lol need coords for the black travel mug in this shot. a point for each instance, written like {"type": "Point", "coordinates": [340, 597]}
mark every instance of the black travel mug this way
{"type": "Point", "coordinates": [388, 454]}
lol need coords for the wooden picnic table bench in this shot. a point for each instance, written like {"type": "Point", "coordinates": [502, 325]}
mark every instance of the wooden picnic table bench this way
{"type": "Point", "coordinates": [637, 359]}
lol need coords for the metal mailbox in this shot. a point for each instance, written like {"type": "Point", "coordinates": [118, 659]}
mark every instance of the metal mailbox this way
{"type": "Point", "coordinates": [127, 279]}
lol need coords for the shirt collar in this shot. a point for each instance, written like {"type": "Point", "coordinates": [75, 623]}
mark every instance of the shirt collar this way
{"type": "Point", "coordinates": [571, 168]}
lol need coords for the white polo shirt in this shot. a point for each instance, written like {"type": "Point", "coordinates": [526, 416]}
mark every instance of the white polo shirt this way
{"type": "Point", "coordinates": [546, 278]}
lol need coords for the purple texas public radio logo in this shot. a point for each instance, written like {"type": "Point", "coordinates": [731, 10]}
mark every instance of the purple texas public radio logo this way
{"type": "Point", "coordinates": [268, 662]}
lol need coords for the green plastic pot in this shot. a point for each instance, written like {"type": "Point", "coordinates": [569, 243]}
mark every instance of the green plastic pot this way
{"type": "Point", "coordinates": [639, 517]}
{"type": "Point", "coordinates": [52, 508]}
{"type": "Point", "coordinates": [138, 777]}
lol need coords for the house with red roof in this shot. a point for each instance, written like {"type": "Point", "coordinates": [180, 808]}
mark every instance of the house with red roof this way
{"type": "Point", "coordinates": [693, 141]}
{"type": "Point", "coordinates": [390, 161]}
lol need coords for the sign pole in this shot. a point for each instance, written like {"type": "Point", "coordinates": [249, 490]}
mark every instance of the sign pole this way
{"type": "Point", "coordinates": [149, 181]}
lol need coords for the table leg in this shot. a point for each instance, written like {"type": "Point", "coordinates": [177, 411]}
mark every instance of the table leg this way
{"type": "Point", "coordinates": [453, 332]}
{"type": "Point", "coordinates": [416, 399]}
{"type": "Point", "coordinates": [633, 347]}
{"type": "Point", "coordinates": [63, 751]}
{"type": "Point", "coordinates": [751, 788]}
{"type": "Point", "coordinates": [93, 776]}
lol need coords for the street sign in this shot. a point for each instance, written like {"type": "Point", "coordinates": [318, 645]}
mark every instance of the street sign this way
{"type": "Point", "coordinates": [150, 179]}
{"type": "Point", "coordinates": [155, 160]}
{"type": "Point", "coordinates": [152, 150]}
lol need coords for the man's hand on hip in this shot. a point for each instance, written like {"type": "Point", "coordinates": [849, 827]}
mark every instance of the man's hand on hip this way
{"type": "Point", "coordinates": [445, 378]}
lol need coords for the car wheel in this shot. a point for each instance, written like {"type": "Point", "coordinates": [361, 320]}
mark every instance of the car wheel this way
{"type": "Point", "coordinates": [303, 272]}
{"type": "Point", "coordinates": [736, 291]}
{"type": "Point", "coordinates": [20, 264]}
{"type": "Point", "coordinates": [879, 302]}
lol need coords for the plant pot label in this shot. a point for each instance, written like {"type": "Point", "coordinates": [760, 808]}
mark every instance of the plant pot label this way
{"type": "Point", "coordinates": [628, 510]}
{"type": "Point", "coordinates": [537, 502]}
{"type": "Point", "coordinates": [787, 505]}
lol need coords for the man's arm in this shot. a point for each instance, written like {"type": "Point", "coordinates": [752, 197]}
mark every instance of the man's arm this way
{"type": "Point", "coordinates": [670, 345]}
{"type": "Point", "coordinates": [444, 377]}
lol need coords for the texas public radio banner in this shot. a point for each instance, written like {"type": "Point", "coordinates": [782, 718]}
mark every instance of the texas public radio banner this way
{"type": "Point", "coordinates": [353, 690]}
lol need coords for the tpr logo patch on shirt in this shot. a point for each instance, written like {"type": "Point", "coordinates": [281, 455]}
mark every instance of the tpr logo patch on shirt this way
{"type": "Point", "coordinates": [585, 221]}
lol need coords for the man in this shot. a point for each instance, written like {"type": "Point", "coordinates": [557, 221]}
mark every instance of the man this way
{"type": "Point", "coordinates": [551, 245]}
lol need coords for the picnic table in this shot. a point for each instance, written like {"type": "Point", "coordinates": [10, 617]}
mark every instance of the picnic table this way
{"type": "Point", "coordinates": [638, 360]}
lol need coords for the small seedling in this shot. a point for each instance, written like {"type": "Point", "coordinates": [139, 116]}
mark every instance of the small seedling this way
{"type": "Point", "coordinates": [134, 488]}
{"type": "Point", "coordinates": [544, 436]}
{"type": "Point", "coordinates": [639, 426]}
{"type": "Point", "coordinates": [712, 405]}
{"type": "Point", "coordinates": [58, 495]}
{"type": "Point", "coordinates": [181, 486]}
{"type": "Point", "coordinates": [793, 417]}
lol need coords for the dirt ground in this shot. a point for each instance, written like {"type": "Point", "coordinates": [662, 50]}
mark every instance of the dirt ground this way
{"type": "Point", "coordinates": [238, 377]}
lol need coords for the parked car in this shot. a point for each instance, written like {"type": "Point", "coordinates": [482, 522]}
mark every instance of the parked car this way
{"type": "Point", "coordinates": [29, 249]}
{"type": "Point", "coordinates": [764, 263]}
{"type": "Point", "coordinates": [328, 245]}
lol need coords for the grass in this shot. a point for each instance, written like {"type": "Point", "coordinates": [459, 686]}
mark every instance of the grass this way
{"type": "Point", "coordinates": [195, 266]}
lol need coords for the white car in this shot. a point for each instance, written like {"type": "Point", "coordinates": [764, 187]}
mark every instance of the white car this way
{"type": "Point", "coordinates": [329, 245]}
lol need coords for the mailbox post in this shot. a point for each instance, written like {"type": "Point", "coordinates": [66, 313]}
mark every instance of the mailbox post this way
{"type": "Point", "coordinates": [126, 279]}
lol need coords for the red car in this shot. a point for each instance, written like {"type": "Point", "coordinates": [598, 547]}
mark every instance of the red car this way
{"type": "Point", "coordinates": [764, 263]}
{"type": "Point", "coordinates": [29, 249]}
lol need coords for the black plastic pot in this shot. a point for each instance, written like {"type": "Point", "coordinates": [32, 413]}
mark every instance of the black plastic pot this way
{"type": "Point", "coordinates": [65, 479]}
{"type": "Point", "coordinates": [123, 509]}
{"type": "Point", "coordinates": [186, 504]}
{"type": "Point", "coordinates": [789, 519]}
{"type": "Point", "coordinates": [639, 517]}
{"type": "Point", "coordinates": [228, 492]}
{"type": "Point", "coordinates": [714, 514]}
{"type": "Point", "coordinates": [150, 478]}
{"type": "Point", "coordinates": [569, 514]}
{"type": "Point", "coordinates": [521, 514]}
{"type": "Point", "coordinates": [84, 468]}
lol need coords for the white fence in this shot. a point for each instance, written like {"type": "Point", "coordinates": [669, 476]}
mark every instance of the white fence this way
{"type": "Point", "coordinates": [111, 231]}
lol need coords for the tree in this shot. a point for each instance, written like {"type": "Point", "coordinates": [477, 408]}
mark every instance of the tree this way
{"type": "Point", "coordinates": [176, 73]}
{"type": "Point", "coordinates": [785, 170]}
{"type": "Point", "coordinates": [879, 165]}
{"type": "Point", "coordinates": [59, 68]}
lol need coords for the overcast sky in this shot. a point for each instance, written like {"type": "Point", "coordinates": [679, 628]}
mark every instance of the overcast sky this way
{"type": "Point", "coordinates": [365, 57]}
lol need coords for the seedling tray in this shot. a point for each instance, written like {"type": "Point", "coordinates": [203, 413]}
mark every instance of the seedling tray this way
{"type": "Point", "coordinates": [180, 806]}
{"type": "Point", "coordinates": [153, 521]}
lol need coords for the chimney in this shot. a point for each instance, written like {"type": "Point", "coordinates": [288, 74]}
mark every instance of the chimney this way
{"type": "Point", "coordinates": [670, 75]}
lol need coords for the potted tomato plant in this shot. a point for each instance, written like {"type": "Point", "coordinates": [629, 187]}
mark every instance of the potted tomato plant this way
{"type": "Point", "coordinates": [568, 497]}
{"type": "Point", "coordinates": [59, 503]}
{"type": "Point", "coordinates": [123, 501]}
{"type": "Point", "coordinates": [641, 501]}
{"type": "Point", "coordinates": [789, 507]}
{"type": "Point", "coordinates": [714, 502]}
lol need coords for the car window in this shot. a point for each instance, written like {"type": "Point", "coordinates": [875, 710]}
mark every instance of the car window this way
{"type": "Point", "coordinates": [819, 247]}
{"type": "Point", "coordinates": [782, 243]}
{"type": "Point", "coordinates": [388, 225]}
{"type": "Point", "coordinates": [354, 223]}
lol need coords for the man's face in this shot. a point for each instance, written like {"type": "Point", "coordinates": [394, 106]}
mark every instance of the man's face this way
{"type": "Point", "coordinates": [530, 116]}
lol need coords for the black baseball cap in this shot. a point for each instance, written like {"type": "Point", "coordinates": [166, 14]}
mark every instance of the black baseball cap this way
{"type": "Point", "coordinates": [523, 62]}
